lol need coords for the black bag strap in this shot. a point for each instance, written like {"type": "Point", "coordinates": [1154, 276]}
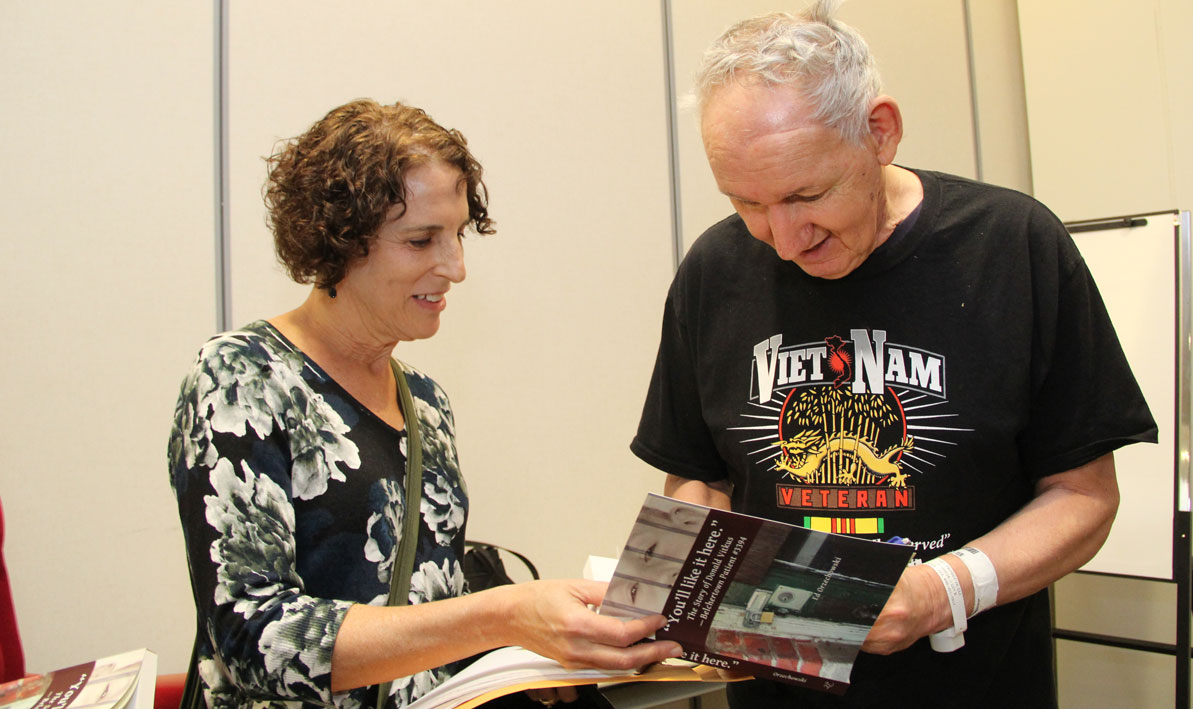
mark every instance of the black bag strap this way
{"type": "Point", "coordinates": [403, 567]}
{"type": "Point", "coordinates": [534, 572]}
{"type": "Point", "coordinates": [192, 695]}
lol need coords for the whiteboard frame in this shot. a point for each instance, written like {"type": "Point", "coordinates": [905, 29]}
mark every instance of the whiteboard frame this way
{"type": "Point", "coordinates": [1173, 416]}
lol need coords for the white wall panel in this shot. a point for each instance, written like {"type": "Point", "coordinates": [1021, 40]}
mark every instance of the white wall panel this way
{"type": "Point", "coordinates": [1109, 96]}
{"type": "Point", "coordinates": [107, 264]}
{"type": "Point", "coordinates": [1001, 104]}
{"type": "Point", "coordinates": [547, 348]}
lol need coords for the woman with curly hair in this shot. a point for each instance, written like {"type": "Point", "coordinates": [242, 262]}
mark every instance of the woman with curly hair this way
{"type": "Point", "coordinates": [289, 454]}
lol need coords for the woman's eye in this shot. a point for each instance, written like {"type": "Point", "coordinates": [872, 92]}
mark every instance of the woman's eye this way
{"type": "Point", "coordinates": [420, 243]}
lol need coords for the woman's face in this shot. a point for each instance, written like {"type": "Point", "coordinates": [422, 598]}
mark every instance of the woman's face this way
{"type": "Point", "coordinates": [401, 287]}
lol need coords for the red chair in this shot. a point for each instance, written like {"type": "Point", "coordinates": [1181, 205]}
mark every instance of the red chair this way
{"type": "Point", "coordinates": [12, 657]}
{"type": "Point", "coordinates": [168, 692]}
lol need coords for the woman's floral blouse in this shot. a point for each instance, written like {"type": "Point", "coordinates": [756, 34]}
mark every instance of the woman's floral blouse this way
{"type": "Point", "coordinates": [291, 498]}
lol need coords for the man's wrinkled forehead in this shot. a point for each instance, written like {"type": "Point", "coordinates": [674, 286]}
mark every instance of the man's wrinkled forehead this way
{"type": "Point", "coordinates": [743, 111]}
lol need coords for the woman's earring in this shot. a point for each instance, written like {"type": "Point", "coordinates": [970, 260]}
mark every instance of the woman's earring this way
{"type": "Point", "coordinates": [331, 292]}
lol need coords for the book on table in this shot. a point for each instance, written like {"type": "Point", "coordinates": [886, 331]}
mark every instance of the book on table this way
{"type": "Point", "coordinates": [120, 681]}
{"type": "Point", "coordinates": [754, 596]}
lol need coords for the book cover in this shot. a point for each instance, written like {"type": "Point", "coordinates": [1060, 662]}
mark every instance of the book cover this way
{"type": "Point", "coordinates": [755, 596]}
{"type": "Point", "coordinates": [116, 682]}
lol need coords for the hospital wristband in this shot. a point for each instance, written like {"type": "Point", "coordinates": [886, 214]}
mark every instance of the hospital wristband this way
{"type": "Point", "coordinates": [985, 578]}
{"type": "Point", "coordinates": [949, 639]}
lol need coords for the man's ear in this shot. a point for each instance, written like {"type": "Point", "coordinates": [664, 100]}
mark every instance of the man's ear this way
{"type": "Point", "coordinates": [886, 128]}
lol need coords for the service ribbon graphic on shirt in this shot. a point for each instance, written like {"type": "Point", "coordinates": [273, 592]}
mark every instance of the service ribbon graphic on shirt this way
{"type": "Point", "coordinates": [851, 424]}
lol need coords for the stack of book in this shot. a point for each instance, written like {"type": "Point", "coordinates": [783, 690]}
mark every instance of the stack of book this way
{"type": "Point", "coordinates": [121, 681]}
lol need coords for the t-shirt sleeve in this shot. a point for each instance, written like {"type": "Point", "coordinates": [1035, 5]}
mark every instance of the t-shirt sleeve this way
{"type": "Point", "coordinates": [1085, 399]}
{"type": "Point", "coordinates": [672, 433]}
{"type": "Point", "coordinates": [229, 467]}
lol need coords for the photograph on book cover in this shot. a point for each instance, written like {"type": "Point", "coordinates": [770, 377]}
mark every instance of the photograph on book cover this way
{"type": "Point", "coordinates": [792, 603]}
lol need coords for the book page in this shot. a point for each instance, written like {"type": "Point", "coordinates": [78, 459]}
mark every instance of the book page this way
{"type": "Point", "coordinates": [508, 668]}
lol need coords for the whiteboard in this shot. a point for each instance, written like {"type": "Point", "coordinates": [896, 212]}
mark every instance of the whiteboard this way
{"type": "Point", "coordinates": [1140, 264]}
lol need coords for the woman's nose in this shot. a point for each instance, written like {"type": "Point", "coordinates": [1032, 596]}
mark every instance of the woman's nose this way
{"type": "Point", "coordinates": [451, 260]}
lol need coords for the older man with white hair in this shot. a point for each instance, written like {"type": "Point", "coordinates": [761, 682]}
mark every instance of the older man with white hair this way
{"type": "Point", "coordinates": [886, 351]}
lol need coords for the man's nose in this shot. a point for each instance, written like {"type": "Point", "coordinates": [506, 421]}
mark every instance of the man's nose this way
{"type": "Point", "coordinates": [785, 226]}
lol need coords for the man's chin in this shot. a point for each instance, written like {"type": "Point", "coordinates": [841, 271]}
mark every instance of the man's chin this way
{"type": "Point", "coordinates": [828, 270]}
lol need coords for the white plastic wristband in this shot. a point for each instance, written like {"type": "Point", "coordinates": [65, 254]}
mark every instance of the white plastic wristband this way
{"type": "Point", "coordinates": [949, 639]}
{"type": "Point", "coordinates": [985, 578]}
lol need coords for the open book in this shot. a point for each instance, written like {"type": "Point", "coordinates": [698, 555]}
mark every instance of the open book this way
{"type": "Point", "coordinates": [745, 596]}
{"type": "Point", "coordinates": [513, 669]}
{"type": "Point", "coordinates": [754, 596]}
{"type": "Point", "coordinates": [116, 682]}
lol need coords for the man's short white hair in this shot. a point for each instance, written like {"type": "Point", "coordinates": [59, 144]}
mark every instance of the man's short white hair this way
{"type": "Point", "coordinates": [827, 60]}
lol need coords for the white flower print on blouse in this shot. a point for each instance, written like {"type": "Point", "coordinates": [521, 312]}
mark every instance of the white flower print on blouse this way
{"type": "Point", "coordinates": [442, 508]}
{"type": "Point", "coordinates": [250, 544]}
{"type": "Point", "coordinates": [241, 394]}
{"type": "Point", "coordinates": [384, 532]}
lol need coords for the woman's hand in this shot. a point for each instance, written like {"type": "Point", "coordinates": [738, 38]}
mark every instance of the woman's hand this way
{"type": "Point", "coordinates": [553, 618]}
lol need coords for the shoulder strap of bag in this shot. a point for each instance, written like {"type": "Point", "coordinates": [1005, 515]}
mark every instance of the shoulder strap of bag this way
{"type": "Point", "coordinates": [403, 567]}
{"type": "Point", "coordinates": [534, 572]}
{"type": "Point", "coordinates": [192, 695]}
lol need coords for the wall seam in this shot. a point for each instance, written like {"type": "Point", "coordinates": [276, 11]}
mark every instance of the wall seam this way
{"type": "Point", "coordinates": [672, 137]}
{"type": "Point", "coordinates": [970, 57]}
{"type": "Point", "coordinates": [223, 285]}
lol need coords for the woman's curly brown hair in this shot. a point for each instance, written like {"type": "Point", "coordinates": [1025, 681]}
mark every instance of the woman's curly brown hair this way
{"type": "Point", "coordinates": [329, 189]}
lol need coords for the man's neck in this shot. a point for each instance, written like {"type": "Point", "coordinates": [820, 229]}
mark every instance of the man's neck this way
{"type": "Point", "coordinates": [904, 192]}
